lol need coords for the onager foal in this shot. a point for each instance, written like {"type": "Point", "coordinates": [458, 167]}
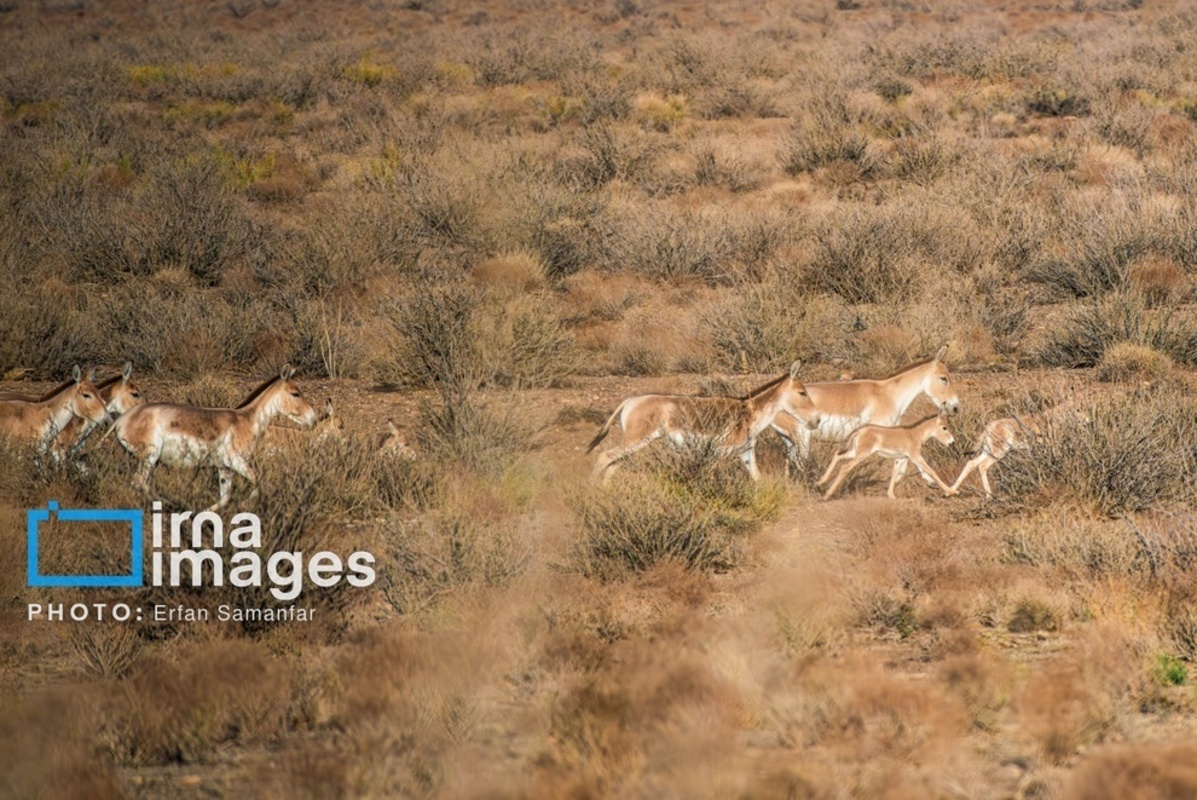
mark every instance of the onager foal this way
{"type": "Point", "coordinates": [731, 423]}
{"type": "Point", "coordinates": [1016, 433]}
{"type": "Point", "coordinates": [998, 439]}
{"type": "Point", "coordinates": [902, 443]}
{"type": "Point", "coordinates": [224, 438]}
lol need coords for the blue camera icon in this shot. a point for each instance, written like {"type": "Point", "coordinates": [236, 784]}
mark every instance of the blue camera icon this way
{"type": "Point", "coordinates": [36, 516]}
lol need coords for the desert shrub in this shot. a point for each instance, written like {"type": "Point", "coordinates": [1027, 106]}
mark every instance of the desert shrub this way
{"type": "Point", "coordinates": [1124, 360]}
{"type": "Point", "coordinates": [527, 343]}
{"type": "Point", "coordinates": [1129, 456]}
{"type": "Point", "coordinates": [1030, 615]}
{"type": "Point", "coordinates": [486, 436]}
{"type": "Point", "coordinates": [609, 151]}
{"type": "Point", "coordinates": [438, 326]}
{"type": "Point", "coordinates": [458, 339]}
{"type": "Point", "coordinates": [1078, 548]}
{"type": "Point", "coordinates": [181, 710]}
{"type": "Point", "coordinates": [887, 611]}
{"type": "Point", "coordinates": [565, 225]}
{"type": "Point", "coordinates": [864, 257]}
{"type": "Point", "coordinates": [716, 168]}
{"type": "Point", "coordinates": [922, 160]}
{"type": "Point", "coordinates": [1058, 101]}
{"type": "Point", "coordinates": [1123, 318]}
{"type": "Point", "coordinates": [689, 506]}
{"type": "Point", "coordinates": [763, 327]}
{"type": "Point", "coordinates": [810, 147]}
{"type": "Point", "coordinates": [664, 244]}
{"type": "Point", "coordinates": [47, 328]}
{"type": "Point", "coordinates": [448, 552]}
{"type": "Point", "coordinates": [1097, 244]}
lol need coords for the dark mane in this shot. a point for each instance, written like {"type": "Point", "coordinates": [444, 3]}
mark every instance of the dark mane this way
{"type": "Point", "coordinates": [909, 367]}
{"type": "Point", "coordinates": [56, 391]}
{"type": "Point", "coordinates": [764, 387]}
{"type": "Point", "coordinates": [257, 392]}
{"type": "Point", "coordinates": [104, 384]}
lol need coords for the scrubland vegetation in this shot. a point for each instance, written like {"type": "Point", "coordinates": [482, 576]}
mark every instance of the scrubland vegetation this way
{"type": "Point", "coordinates": [493, 221]}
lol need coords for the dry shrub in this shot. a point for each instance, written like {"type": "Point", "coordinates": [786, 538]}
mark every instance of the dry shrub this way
{"type": "Point", "coordinates": [868, 256]}
{"type": "Point", "coordinates": [690, 505]}
{"type": "Point", "coordinates": [49, 736]}
{"type": "Point", "coordinates": [515, 271]}
{"type": "Point", "coordinates": [1135, 772]}
{"type": "Point", "coordinates": [1128, 456]}
{"type": "Point", "coordinates": [182, 709]}
{"type": "Point", "coordinates": [1159, 280]}
{"type": "Point", "coordinates": [1076, 547]}
{"type": "Point", "coordinates": [458, 339]}
{"type": "Point", "coordinates": [763, 327]}
{"type": "Point", "coordinates": [450, 552]}
{"type": "Point", "coordinates": [1090, 329]}
{"type": "Point", "coordinates": [833, 140]}
{"type": "Point", "coordinates": [1031, 614]}
{"type": "Point", "coordinates": [1127, 361]}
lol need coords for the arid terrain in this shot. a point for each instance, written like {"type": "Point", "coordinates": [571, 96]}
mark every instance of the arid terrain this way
{"type": "Point", "coordinates": [492, 222]}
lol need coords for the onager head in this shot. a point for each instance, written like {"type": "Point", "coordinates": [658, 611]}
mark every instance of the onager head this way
{"type": "Point", "coordinates": [941, 431]}
{"type": "Point", "coordinates": [86, 402]}
{"type": "Point", "coordinates": [124, 394]}
{"type": "Point", "coordinates": [938, 384]}
{"type": "Point", "coordinates": [796, 402]}
{"type": "Point", "coordinates": [289, 402]}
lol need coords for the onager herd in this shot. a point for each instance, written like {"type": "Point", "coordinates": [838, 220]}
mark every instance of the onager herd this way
{"type": "Point", "coordinates": [865, 415]}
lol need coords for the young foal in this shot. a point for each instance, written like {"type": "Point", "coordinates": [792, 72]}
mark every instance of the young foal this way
{"type": "Point", "coordinates": [1015, 433]}
{"type": "Point", "coordinates": [41, 421]}
{"type": "Point", "coordinates": [730, 423]}
{"type": "Point", "coordinates": [905, 444]}
{"type": "Point", "coordinates": [224, 438]}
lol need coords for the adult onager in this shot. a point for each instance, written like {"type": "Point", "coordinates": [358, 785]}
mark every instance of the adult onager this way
{"type": "Point", "coordinates": [730, 423]}
{"type": "Point", "coordinates": [902, 443]}
{"type": "Point", "coordinates": [844, 406]}
{"type": "Point", "coordinates": [119, 394]}
{"type": "Point", "coordinates": [41, 421]}
{"type": "Point", "coordinates": [223, 438]}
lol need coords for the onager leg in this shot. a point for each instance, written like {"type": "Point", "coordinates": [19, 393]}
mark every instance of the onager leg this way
{"type": "Point", "coordinates": [970, 465]}
{"type": "Point", "coordinates": [898, 474]}
{"type": "Point", "coordinates": [984, 470]}
{"type": "Point", "coordinates": [921, 464]}
{"type": "Point", "coordinates": [606, 460]}
{"type": "Point", "coordinates": [843, 474]}
{"type": "Point", "coordinates": [842, 455]}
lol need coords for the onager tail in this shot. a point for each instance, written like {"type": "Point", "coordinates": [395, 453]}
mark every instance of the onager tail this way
{"type": "Point", "coordinates": [602, 434]}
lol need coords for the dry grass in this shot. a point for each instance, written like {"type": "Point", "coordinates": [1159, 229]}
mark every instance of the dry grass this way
{"type": "Point", "coordinates": [493, 221]}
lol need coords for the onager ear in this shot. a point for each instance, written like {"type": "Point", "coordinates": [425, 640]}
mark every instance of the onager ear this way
{"type": "Point", "coordinates": [77, 373]}
{"type": "Point", "coordinates": [91, 375]}
{"type": "Point", "coordinates": [797, 365]}
{"type": "Point", "coordinates": [287, 372]}
{"type": "Point", "coordinates": [328, 407]}
{"type": "Point", "coordinates": [391, 429]}
{"type": "Point", "coordinates": [127, 371]}
{"type": "Point", "coordinates": [943, 348]}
